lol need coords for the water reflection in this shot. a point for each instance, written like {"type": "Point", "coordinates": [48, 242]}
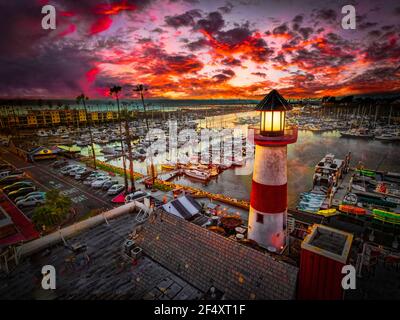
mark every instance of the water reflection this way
{"type": "Point", "coordinates": [302, 157]}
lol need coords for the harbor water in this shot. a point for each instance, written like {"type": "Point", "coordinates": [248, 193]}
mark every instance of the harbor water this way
{"type": "Point", "coordinates": [302, 157]}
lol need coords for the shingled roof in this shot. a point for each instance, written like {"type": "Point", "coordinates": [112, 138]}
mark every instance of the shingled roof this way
{"type": "Point", "coordinates": [273, 101]}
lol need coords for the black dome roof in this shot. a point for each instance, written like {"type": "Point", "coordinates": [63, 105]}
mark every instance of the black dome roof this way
{"type": "Point", "coordinates": [273, 101]}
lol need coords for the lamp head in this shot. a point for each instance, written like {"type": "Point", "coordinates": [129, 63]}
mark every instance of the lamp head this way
{"type": "Point", "coordinates": [273, 114]}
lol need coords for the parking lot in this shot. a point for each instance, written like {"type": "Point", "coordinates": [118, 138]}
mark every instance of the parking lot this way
{"type": "Point", "coordinates": [84, 198]}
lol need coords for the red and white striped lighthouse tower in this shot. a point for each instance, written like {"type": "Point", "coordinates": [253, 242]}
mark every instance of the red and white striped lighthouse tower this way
{"type": "Point", "coordinates": [268, 200]}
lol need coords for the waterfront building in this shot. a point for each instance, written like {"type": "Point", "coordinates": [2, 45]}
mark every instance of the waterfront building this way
{"type": "Point", "coordinates": [39, 118]}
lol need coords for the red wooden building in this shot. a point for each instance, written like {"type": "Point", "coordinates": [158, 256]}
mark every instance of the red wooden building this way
{"type": "Point", "coordinates": [324, 252]}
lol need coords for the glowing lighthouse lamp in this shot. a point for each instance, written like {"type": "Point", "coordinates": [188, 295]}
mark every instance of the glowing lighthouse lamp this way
{"type": "Point", "coordinates": [268, 199]}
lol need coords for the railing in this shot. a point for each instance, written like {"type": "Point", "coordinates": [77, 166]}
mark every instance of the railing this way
{"type": "Point", "coordinates": [289, 135]}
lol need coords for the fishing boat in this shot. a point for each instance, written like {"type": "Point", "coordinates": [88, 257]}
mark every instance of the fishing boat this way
{"type": "Point", "coordinates": [328, 171]}
{"type": "Point", "coordinates": [197, 174]}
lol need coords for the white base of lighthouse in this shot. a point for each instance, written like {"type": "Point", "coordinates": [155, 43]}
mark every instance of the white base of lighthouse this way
{"type": "Point", "coordinates": [268, 233]}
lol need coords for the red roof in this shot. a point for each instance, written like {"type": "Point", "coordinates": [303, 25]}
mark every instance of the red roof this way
{"type": "Point", "coordinates": [25, 227]}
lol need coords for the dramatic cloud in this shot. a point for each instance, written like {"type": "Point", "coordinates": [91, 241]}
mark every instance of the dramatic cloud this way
{"type": "Point", "coordinates": [198, 49]}
{"type": "Point", "coordinates": [182, 20]}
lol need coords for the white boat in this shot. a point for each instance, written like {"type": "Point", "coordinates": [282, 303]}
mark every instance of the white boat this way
{"type": "Point", "coordinates": [357, 133]}
{"type": "Point", "coordinates": [82, 143]}
{"type": "Point", "coordinates": [197, 174]}
{"type": "Point", "coordinates": [42, 133]}
{"type": "Point", "coordinates": [388, 137]}
{"type": "Point", "coordinates": [109, 150]}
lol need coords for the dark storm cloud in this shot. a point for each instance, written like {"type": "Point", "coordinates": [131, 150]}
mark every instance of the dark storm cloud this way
{"type": "Point", "coordinates": [183, 20]}
{"type": "Point", "coordinates": [298, 19]}
{"type": "Point", "coordinates": [367, 25]}
{"type": "Point", "coordinates": [374, 33]}
{"type": "Point", "coordinates": [283, 28]}
{"type": "Point", "coordinates": [316, 57]}
{"type": "Point", "coordinates": [397, 11]}
{"type": "Point", "coordinates": [387, 27]}
{"type": "Point", "coordinates": [21, 27]}
{"type": "Point", "coordinates": [227, 8]}
{"type": "Point", "coordinates": [234, 36]}
{"type": "Point", "coordinates": [371, 75]}
{"type": "Point", "coordinates": [279, 58]}
{"type": "Point", "coordinates": [110, 42]}
{"type": "Point", "coordinates": [197, 45]}
{"type": "Point", "coordinates": [228, 72]}
{"type": "Point", "coordinates": [231, 62]}
{"type": "Point", "coordinates": [212, 23]}
{"type": "Point", "coordinates": [220, 77]}
{"type": "Point", "coordinates": [158, 30]}
{"type": "Point", "coordinates": [259, 74]}
{"type": "Point", "coordinates": [324, 15]}
{"type": "Point", "coordinates": [383, 50]}
{"type": "Point", "coordinates": [187, 1]}
{"type": "Point", "coordinates": [53, 70]}
{"type": "Point", "coordinates": [157, 61]}
{"type": "Point", "coordinates": [306, 32]}
{"type": "Point", "coordinates": [144, 40]}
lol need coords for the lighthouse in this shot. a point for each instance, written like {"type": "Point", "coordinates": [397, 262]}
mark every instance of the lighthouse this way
{"type": "Point", "coordinates": [268, 199]}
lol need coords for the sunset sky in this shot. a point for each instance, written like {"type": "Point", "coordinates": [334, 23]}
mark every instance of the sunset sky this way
{"type": "Point", "coordinates": [184, 49]}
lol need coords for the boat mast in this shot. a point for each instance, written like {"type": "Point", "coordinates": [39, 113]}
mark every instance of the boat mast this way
{"type": "Point", "coordinates": [390, 114]}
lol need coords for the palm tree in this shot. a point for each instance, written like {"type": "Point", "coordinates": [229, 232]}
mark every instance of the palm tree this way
{"type": "Point", "coordinates": [128, 141]}
{"type": "Point", "coordinates": [82, 98]}
{"type": "Point", "coordinates": [114, 91]}
{"type": "Point", "coordinates": [140, 88]}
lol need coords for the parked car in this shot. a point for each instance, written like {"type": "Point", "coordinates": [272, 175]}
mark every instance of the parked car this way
{"type": "Point", "coordinates": [98, 183]}
{"type": "Point", "coordinates": [94, 176]}
{"type": "Point", "coordinates": [30, 201]}
{"type": "Point", "coordinates": [108, 184]}
{"type": "Point", "coordinates": [65, 170]}
{"type": "Point", "coordinates": [79, 172]}
{"type": "Point", "coordinates": [11, 179]}
{"type": "Point", "coordinates": [60, 163]}
{"type": "Point", "coordinates": [75, 170]}
{"type": "Point", "coordinates": [21, 192]}
{"type": "Point", "coordinates": [135, 196]}
{"type": "Point", "coordinates": [115, 189]}
{"type": "Point", "coordinates": [83, 175]}
{"type": "Point", "coordinates": [17, 185]}
{"type": "Point", "coordinates": [34, 193]}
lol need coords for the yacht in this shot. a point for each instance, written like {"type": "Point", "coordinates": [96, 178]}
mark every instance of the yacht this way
{"type": "Point", "coordinates": [197, 174]}
{"type": "Point", "coordinates": [328, 172]}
